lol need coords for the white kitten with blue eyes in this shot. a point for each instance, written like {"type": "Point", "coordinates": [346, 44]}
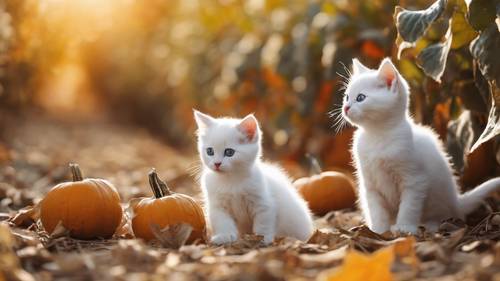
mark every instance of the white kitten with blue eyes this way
{"type": "Point", "coordinates": [242, 193]}
{"type": "Point", "coordinates": [405, 179]}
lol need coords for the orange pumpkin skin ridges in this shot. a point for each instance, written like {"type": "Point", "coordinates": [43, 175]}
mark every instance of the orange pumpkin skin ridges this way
{"type": "Point", "coordinates": [167, 208]}
{"type": "Point", "coordinates": [327, 192]}
{"type": "Point", "coordinates": [88, 208]}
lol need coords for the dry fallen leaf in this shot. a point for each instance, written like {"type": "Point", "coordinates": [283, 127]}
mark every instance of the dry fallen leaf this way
{"type": "Point", "coordinates": [373, 267]}
{"type": "Point", "coordinates": [26, 216]}
{"type": "Point", "coordinates": [172, 236]}
{"type": "Point", "coordinates": [124, 230]}
{"type": "Point", "coordinates": [59, 231]}
{"type": "Point", "coordinates": [332, 240]}
{"type": "Point", "coordinates": [329, 258]}
{"type": "Point", "coordinates": [10, 268]}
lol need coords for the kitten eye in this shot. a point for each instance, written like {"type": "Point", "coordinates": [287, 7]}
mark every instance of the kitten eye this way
{"type": "Point", "coordinates": [210, 151]}
{"type": "Point", "coordinates": [346, 98]}
{"type": "Point", "coordinates": [360, 97]}
{"type": "Point", "coordinates": [229, 152]}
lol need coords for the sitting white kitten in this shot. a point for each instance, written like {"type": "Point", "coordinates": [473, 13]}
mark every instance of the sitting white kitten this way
{"type": "Point", "coordinates": [242, 193]}
{"type": "Point", "coordinates": [405, 179]}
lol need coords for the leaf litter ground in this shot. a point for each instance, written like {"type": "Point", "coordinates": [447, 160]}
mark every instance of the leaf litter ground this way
{"type": "Point", "coordinates": [34, 153]}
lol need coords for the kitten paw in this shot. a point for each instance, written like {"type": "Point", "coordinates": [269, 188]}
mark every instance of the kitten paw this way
{"type": "Point", "coordinates": [404, 229]}
{"type": "Point", "coordinates": [221, 239]}
{"type": "Point", "coordinates": [268, 239]}
{"type": "Point", "coordinates": [379, 229]}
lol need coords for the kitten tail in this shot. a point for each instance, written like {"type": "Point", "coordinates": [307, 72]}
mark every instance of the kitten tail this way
{"type": "Point", "coordinates": [471, 200]}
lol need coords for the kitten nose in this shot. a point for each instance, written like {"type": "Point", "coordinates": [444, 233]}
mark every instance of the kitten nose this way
{"type": "Point", "coordinates": [346, 109]}
{"type": "Point", "coordinates": [217, 165]}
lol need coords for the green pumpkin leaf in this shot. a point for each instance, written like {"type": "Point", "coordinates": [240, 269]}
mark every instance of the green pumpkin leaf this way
{"type": "Point", "coordinates": [432, 59]}
{"type": "Point", "coordinates": [493, 127]}
{"type": "Point", "coordinates": [485, 49]}
{"type": "Point", "coordinates": [411, 25]}
{"type": "Point", "coordinates": [460, 137]}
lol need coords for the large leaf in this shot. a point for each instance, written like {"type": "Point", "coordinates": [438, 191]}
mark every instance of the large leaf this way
{"type": "Point", "coordinates": [26, 216]}
{"type": "Point", "coordinates": [382, 265]}
{"type": "Point", "coordinates": [172, 236]}
{"type": "Point", "coordinates": [462, 32]}
{"type": "Point", "coordinates": [433, 58]}
{"type": "Point", "coordinates": [493, 127]}
{"type": "Point", "coordinates": [411, 25]}
{"type": "Point", "coordinates": [485, 49]}
{"type": "Point", "coordinates": [460, 138]}
{"type": "Point", "coordinates": [481, 13]}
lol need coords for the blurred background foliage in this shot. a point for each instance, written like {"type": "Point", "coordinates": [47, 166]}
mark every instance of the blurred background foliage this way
{"type": "Point", "coordinates": [151, 62]}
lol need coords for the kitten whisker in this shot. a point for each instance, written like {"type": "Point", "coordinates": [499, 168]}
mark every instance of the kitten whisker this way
{"type": "Point", "coordinates": [349, 73]}
{"type": "Point", "coordinates": [195, 169]}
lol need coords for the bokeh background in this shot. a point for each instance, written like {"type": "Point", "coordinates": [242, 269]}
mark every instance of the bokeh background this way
{"type": "Point", "coordinates": [145, 64]}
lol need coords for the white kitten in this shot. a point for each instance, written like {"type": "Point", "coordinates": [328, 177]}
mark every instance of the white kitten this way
{"type": "Point", "coordinates": [405, 179]}
{"type": "Point", "coordinates": [242, 193]}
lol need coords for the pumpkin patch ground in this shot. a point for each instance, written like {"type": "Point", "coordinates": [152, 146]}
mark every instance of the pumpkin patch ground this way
{"type": "Point", "coordinates": [341, 249]}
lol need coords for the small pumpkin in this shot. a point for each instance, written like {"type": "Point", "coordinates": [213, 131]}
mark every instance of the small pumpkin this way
{"type": "Point", "coordinates": [166, 208]}
{"type": "Point", "coordinates": [87, 208]}
{"type": "Point", "coordinates": [327, 191]}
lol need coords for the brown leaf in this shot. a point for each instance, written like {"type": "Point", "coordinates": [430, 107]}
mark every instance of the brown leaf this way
{"type": "Point", "coordinates": [124, 230]}
{"type": "Point", "coordinates": [10, 266]}
{"type": "Point", "coordinates": [329, 258]}
{"type": "Point", "coordinates": [26, 216]}
{"type": "Point", "coordinates": [330, 239]}
{"type": "Point", "coordinates": [59, 231]}
{"type": "Point", "coordinates": [172, 236]}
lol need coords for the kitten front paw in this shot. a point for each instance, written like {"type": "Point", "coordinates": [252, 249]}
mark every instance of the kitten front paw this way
{"type": "Point", "coordinates": [404, 229]}
{"type": "Point", "coordinates": [268, 239]}
{"type": "Point", "coordinates": [380, 229]}
{"type": "Point", "coordinates": [226, 238]}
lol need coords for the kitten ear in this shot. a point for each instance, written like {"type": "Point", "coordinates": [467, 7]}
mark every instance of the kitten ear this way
{"type": "Point", "coordinates": [203, 120]}
{"type": "Point", "coordinates": [358, 67]}
{"type": "Point", "coordinates": [387, 72]}
{"type": "Point", "coordinates": [248, 126]}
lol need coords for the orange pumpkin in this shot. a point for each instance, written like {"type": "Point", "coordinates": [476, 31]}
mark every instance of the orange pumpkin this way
{"type": "Point", "coordinates": [87, 208]}
{"type": "Point", "coordinates": [166, 208]}
{"type": "Point", "coordinates": [327, 191]}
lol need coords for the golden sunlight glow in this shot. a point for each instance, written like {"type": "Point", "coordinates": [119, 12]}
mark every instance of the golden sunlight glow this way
{"type": "Point", "coordinates": [65, 86]}
{"type": "Point", "coordinates": [66, 90]}
{"type": "Point", "coordinates": [81, 5]}
{"type": "Point", "coordinates": [80, 17]}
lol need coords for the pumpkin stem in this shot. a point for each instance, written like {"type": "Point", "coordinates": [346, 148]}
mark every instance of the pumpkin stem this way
{"type": "Point", "coordinates": [154, 185]}
{"type": "Point", "coordinates": [76, 172]}
{"type": "Point", "coordinates": [315, 166]}
{"type": "Point", "coordinates": [159, 187]}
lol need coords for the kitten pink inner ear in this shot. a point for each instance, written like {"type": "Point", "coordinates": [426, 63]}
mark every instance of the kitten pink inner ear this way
{"type": "Point", "coordinates": [387, 72]}
{"type": "Point", "coordinates": [248, 126]}
{"type": "Point", "coordinates": [358, 67]}
{"type": "Point", "coordinates": [203, 120]}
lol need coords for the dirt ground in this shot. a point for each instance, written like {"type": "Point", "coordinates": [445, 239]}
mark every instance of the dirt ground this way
{"type": "Point", "coordinates": [34, 155]}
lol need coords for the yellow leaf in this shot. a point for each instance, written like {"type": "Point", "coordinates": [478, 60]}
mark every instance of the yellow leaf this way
{"type": "Point", "coordinates": [404, 251]}
{"type": "Point", "coordinates": [376, 266]}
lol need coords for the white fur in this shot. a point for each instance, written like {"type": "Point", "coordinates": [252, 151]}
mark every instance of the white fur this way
{"type": "Point", "coordinates": [405, 179]}
{"type": "Point", "coordinates": [246, 195]}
